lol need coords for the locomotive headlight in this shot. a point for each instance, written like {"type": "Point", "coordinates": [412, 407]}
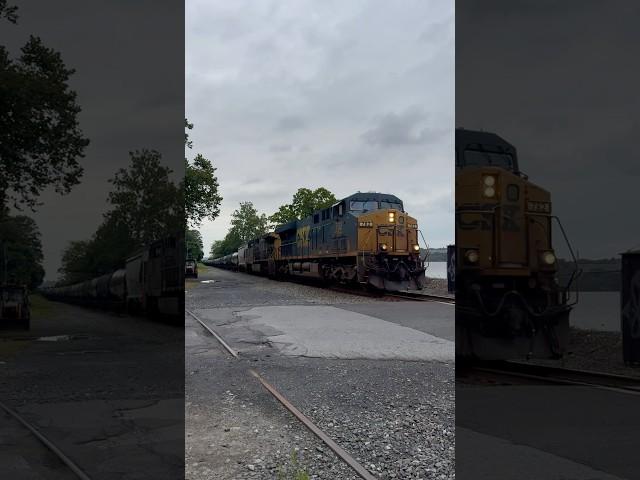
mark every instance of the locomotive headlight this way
{"type": "Point", "coordinates": [489, 191]}
{"type": "Point", "coordinates": [392, 217]}
{"type": "Point", "coordinates": [472, 256]}
{"type": "Point", "coordinates": [489, 181]}
{"type": "Point", "coordinates": [416, 248]}
{"type": "Point", "coordinates": [548, 258]}
{"type": "Point", "coordinates": [383, 247]}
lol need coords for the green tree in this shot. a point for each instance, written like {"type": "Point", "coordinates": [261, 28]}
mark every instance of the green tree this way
{"type": "Point", "coordinates": [10, 12]}
{"type": "Point", "coordinates": [201, 196]}
{"type": "Point", "coordinates": [40, 138]}
{"type": "Point", "coordinates": [21, 251]}
{"type": "Point", "coordinates": [248, 223]}
{"type": "Point", "coordinates": [195, 247]}
{"type": "Point", "coordinates": [145, 200]}
{"type": "Point", "coordinates": [146, 206]}
{"type": "Point", "coordinates": [305, 201]}
{"type": "Point", "coordinates": [229, 244]}
{"type": "Point", "coordinates": [76, 262]}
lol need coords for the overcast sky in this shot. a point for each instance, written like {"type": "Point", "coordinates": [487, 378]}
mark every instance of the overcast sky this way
{"type": "Point", "coordinates": [128, 58]}
{"type": "Point", "coordinates": [351, 96]}
{"type": "Point", "coordinates": [560, 81]}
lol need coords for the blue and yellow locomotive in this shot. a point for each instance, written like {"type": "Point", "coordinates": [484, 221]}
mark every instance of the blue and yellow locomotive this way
{"type": "Point", "coordinates": [366, 239]}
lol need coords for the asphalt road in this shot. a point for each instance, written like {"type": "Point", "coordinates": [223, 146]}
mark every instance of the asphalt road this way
{"type": "Point", "coordinates": [107, 389]}
{"type": "Point", "coordinates": [546, 432]}
{"type": "Point", "coordinates": [339, 359]}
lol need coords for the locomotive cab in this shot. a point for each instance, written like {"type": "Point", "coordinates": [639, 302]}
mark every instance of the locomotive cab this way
{"type": "Point", "coordinates": [508, 301]}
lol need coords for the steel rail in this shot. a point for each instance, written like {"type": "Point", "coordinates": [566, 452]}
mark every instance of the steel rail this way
{"type": "Point", "coordinates": [348, 459]}
{"type": "Point", "coordinates": [339, 451]}
{"type": "Point", "coordinates": [48, 443]}
{"type": "Point", "coordinates": [565, 376]}
{"type": "Point", "coordinates": [423, 297]}
{"type": "Point", "coordinates": [212, 332]}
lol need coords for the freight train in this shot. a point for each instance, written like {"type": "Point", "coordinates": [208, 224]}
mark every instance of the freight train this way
{"type": "Point", "coordinates": [151, 282]}
{"type": "Point", "coordinates": [509, 303]}
{"type": "Point", "coordinates": [365, 239]}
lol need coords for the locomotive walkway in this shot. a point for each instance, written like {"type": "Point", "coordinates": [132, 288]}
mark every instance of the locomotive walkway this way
{"type": "Point", "coordinates": [376, 377]}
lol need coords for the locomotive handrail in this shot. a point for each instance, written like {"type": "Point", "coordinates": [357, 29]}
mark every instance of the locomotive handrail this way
{"type": "Point", "coordinates": [426, 246]}
{"type": "Point", "coordinates": [576, 271]}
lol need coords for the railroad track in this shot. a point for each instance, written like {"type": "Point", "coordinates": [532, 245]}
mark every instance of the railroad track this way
{"type": "Point", "coordinates": [422, 297]}
{"type": "Point", "coordinates": [339, 451]}
{"type": "Point", "coordinates": [70, 464]}
{"type": "Point", "coordinates": [562, 376]}
{"type": "Point", "coordinates": [394, 296]}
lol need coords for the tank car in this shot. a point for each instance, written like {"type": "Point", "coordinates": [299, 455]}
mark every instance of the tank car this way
{"type": "Point", "coordinates": [152, 282]}
{"type": "Point", "coordinates": [509, 303]}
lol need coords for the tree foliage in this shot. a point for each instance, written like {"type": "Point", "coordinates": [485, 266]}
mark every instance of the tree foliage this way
{"type": "Point", "coordinates": [145, 200]}
{"type": "Point", "coordinates": [202, 200]}
{"type": "Point", "coordinates": [246, 224]}
{"type": "Point", "coordinates": [195, 247]}
{"type": "Point", "coordinates": [10, 12]}
{"type": "Point", "coordinates": [305, 201]}
{"type": "Point", "coordinates": [20, 251]}
{"type": "Point", "coordinates": [229, 244]}
{"type": "Point", "coordinates": [40, 139]}
{"type": "Point", "coordinates": [146, 205]}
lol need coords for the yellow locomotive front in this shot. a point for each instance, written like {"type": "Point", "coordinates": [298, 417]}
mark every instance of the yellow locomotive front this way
{"type": "Point", "coordinates": [388, 248]}
{"type": "Point", "coordinates": [508, 300]}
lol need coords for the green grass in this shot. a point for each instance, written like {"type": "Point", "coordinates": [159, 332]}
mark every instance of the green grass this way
{"type": "Point", "coordinates": [39, 305]}
{"type": "Point", "coordinates": [294, 471]}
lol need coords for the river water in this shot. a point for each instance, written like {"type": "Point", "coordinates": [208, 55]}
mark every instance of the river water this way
{"type": "Point", "coordinates": [437, 270]}
{"type": "Point", "coordinates": [594, 311]}
{"type": "Point", "coordinates": [597, 311]}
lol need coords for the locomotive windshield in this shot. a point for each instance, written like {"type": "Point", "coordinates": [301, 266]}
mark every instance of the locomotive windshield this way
{"type": "Point", "coordinates": [397, 206]}
{"type": "Point", "coordinates": [365, 206]}
{"type": "Point", "coordinates": [493, 159]}
{"type": "Point", "coordinates": [358, 206]}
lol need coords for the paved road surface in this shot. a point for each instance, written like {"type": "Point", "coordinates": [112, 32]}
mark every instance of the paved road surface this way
{"type": "Point", "coordinates": [107, 389]}
{"type": "Point", "coordinates": [340, 359]}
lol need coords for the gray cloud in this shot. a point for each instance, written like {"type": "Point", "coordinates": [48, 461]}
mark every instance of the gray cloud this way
{"type": "Point", "coordinates": [314, 76]}
{"type": "Point", "coordinates": [129, 61]}
{"type": "Point", "coordinates": [560, 83]}
{"type": "Point", "coordinates": [406, 128]}
{"type": "Point", "coordinates": [290, 123]}
{"type": "Point", "coordinates": [280, 148]}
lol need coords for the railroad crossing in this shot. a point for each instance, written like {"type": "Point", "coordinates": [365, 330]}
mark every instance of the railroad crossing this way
{"type": "Point", "coordinates": [373, 378]}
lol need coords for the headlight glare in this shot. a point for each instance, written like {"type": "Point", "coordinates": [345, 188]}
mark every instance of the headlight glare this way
{"type": "Point", "coordinates": [489, 192]}
{"type": "Point", "coordinates": [489, 181]}
{"type": "Point", "coordinates": [472, 256]}
{"type": "Point", "coordinates": [548, 258]}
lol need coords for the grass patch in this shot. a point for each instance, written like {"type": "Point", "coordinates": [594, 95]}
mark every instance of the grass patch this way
{"type": "Point", "coordinates": [39, 305]}
{"type": "Point", "coordinates": [10, 348]}
{"type": "Point", "coordinates": [293, 471]}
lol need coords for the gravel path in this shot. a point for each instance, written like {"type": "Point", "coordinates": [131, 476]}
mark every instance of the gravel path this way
{"type": "Point", "coordinates": [395, 417]}
{"type": "Point", "coordinates": [596, 351]}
